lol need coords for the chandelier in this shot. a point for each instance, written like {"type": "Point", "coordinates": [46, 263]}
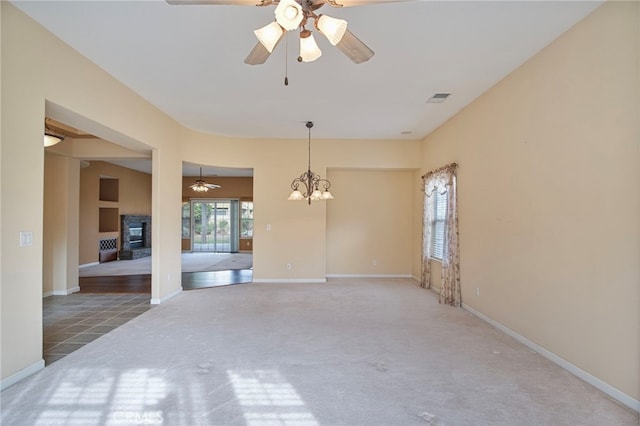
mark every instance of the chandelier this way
{"type": "Point", "coordinates": [294, 15]}
{"type": "Point", "coordinates": [308, 185]}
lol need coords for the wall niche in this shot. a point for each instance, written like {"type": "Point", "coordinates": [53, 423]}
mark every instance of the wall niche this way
{"type": "Point", "coordinates": [108, 219]}
{"type": "Point", "coordinates": [109, 189]}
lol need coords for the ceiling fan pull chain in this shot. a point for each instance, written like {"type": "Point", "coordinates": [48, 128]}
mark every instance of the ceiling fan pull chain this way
{"type": "Point", "coordinates": [286, 60]}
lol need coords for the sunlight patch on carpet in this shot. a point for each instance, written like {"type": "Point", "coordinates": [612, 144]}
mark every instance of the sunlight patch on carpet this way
{"type": "Point", "coordinates": [267, 399]}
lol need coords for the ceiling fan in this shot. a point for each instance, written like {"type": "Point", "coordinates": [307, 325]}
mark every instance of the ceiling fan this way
{"type": "Point", "coordinates": [296, 14]}
{"type": "Point", "coordinates": [201, 186]}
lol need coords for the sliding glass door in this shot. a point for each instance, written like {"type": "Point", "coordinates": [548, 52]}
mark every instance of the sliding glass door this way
{"type": "Point", "coordinates": [214, 226]}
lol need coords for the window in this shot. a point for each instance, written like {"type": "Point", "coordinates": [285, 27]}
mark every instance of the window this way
{"type": "Point", "coordinates": [246, 220]}
{"type": "Point", "coordinates": [438, 219]}
{"type": "Point", "coordinates": [186, 219]}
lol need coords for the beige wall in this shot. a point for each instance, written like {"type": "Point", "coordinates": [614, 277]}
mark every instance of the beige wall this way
{"type": "Point", "coordinates": [134, 198]}
{"type": "Point", "coordinates": [545, 157]}
{"type": "Point", "coordinates": [60, 225]}
{"type": "Point", "coordinates": [369, 223]}
{"type": "Point", "coordinates": [297, 232]}
{"type": "Point", "coordinates": [548, 196]}
{"type": "Point", "coordinates": [79, 94]}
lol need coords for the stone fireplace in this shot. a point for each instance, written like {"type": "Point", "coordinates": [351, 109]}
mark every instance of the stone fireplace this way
{"type": "Point", "coordinates": [135, 234]}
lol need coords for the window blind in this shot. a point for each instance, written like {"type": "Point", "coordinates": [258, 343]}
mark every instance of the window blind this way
{"type": "Point", "coordinates": [438, 224]}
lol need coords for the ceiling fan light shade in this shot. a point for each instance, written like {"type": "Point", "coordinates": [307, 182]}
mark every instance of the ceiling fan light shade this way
{"type": "Point", "coordinates": [289, 14]}
{"type": "Point", "coordinates": [269, 35]}
{"type": "Point", "coordinates": [309, 50]}
{"type": "Point", "coordinates": [354, 48]}
{"type": "Point", "coordinates": [199, 187]}
{"type": "Point", "coordinates": [332, 28]}
{"type": "Point", "coordinates": [51, 139]}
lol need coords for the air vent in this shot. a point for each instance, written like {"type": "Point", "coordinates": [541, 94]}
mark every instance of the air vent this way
{"type": "Point", "coordinates": [438, 98]}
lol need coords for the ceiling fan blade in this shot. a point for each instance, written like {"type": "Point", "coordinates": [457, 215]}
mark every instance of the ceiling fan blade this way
{"type": "Point", "coordinates": [350, 3]}
{"type": "Point", "coordinates": [258, 55]}
{"type": "Point", "coordinates": [212, 185]}
{"type": "Point", "coordinates": [217, 2]}
{"type": "Point", "coordinates": [354, 48]}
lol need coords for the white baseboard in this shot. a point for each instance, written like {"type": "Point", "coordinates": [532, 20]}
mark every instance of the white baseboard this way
{"type": "Point", "coordinates": [165, 298]}
{"type": "Point", "coordinates": [66, 292]}
{"type": "Point", "coordinates": [614, 393]}
{"type": "Point", "coordinates": [291, 280]}
{"type": "Point", "coordinates": [368, 276]}
{"type": "Point", "coordinates": [22, 374]}
{"type": "Point", "coordinates": [61, 292]}
{"type": "Point", "coordinates": [86, 265]}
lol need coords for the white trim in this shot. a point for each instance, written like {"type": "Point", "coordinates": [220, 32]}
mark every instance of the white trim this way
{"type": "Point", "coordinates": [165, 298]}
{"type": "Point", "coordinates": [65, 292]}
{"type": "Point", "coordinates": [87, 265]}
{"type": "Point", "coordinates": [291, 280]}
{"type": "Point", "coordinates": [369, 276]}
{"type": "Point", "coordinates": [61, 292]}
{"type": "Point", "coordinates": [614, 393]}
{"type": "Point", "coordinates": [22, 374]}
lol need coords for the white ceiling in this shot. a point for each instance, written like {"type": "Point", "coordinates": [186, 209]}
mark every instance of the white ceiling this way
{"type": "Point", "coordinates": [188, 61]}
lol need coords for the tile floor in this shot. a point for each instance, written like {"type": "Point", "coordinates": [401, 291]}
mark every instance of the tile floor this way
{"type": "Point", "coordinates": [70, 322]}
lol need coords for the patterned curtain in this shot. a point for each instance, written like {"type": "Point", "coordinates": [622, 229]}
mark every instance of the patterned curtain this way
{"type": "Point", "coordinates": [425, 282]}
{"type": "Point", "coordinates": [443, 180]}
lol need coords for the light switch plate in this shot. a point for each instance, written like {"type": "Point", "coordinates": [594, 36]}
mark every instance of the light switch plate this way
{"type": "Point", "coordinates": [26, 238]}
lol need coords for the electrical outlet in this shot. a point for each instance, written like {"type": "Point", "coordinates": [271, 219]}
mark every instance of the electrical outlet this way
{"type": "Point", "coordinates": [288, 266]}
{"type": "Point", "coordinates": [478, 291]}
{"type": "Point", "coordinates": [374, 262]}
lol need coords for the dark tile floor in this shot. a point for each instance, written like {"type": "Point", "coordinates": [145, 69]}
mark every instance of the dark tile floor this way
{"type": "Point", "coordinates": [196, 280]}
{"type": "Point", "coordinates": [70, 322]}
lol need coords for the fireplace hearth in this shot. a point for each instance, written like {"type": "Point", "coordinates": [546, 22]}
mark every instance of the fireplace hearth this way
{"type": "Point", "coordinates": [135, 232]}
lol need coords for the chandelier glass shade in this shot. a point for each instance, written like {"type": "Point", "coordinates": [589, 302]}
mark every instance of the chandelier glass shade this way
{"type": "Point", "coordinates": [310, 186]}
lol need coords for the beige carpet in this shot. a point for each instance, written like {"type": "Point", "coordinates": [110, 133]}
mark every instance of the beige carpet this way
{"type": "Point", "coordinates": [348, 352]}
{"type": "Point", "coordinates": [191, 262]}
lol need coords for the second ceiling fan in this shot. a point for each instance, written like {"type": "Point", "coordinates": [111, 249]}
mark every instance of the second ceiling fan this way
{"type": "Point", "coordinates": [296, 15]}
